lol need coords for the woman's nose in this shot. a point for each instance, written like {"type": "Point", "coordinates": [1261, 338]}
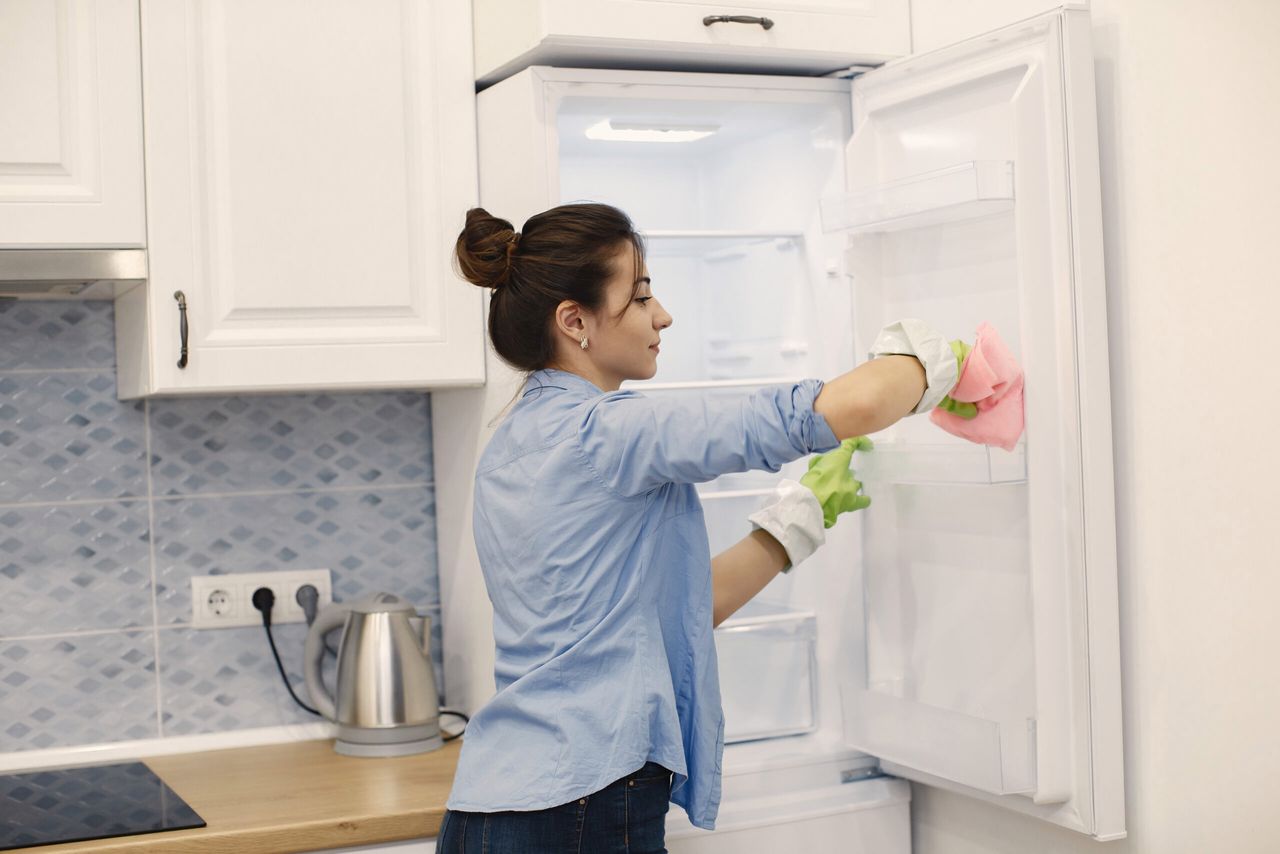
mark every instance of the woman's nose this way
{"type": "Point", "coordinates": [664, 319]}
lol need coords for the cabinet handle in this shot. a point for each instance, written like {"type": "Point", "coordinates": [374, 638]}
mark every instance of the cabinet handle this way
{"type": "Point", "coordinates": [767, 23]}
{"type": "Point", "coordinates": [182, 326]}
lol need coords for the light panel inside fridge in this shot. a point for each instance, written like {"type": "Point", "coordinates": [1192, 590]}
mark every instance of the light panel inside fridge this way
{"type": "Point", "coordinates": [771, 156]}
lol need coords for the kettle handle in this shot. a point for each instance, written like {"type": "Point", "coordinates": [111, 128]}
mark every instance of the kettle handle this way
{"type": "Point", "coordinates": [331, 616]}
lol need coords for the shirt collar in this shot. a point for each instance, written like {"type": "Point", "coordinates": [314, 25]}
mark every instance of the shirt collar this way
{"type": "Point", "coordinates": [554, 378]}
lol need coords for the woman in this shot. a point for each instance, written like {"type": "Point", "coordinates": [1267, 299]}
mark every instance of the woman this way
{"type": "Point", "coordinates": [594, 549]}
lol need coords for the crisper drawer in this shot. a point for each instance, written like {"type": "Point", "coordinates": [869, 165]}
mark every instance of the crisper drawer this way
{"type": "Point", "coordinates": [768, 672]}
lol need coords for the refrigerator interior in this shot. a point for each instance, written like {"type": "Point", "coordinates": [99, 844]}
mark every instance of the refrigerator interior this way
{"type": "Point", "coordinates": [738, 256]}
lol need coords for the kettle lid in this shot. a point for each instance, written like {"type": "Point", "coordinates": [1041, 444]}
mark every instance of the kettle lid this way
{"type": "Point", "coordinates": [381, 603]}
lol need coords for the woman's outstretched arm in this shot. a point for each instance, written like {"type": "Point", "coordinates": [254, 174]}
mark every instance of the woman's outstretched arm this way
{"type": "Point", "coordinates": [872, 396]}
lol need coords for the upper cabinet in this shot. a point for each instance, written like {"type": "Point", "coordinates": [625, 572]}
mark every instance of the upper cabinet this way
{"type": "Point", "coordinates": [784, 36]}
{"type": "Point", "coordinates": [71, 124]}
{"type": "Point", "coordinates": [308, 168]}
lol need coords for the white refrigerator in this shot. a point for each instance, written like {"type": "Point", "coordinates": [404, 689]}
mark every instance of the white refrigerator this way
{"type": "Point", "coordinates": [962, 631]}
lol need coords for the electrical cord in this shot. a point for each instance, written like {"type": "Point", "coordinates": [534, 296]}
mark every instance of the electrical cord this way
{"type": "Point", "coordinates": [465, 720]}
{"type": "Point", "coordinates": [264, 600]}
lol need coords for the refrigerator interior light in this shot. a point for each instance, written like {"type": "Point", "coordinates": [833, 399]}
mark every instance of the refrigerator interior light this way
{"type": "Point", "coordinates": [614, 131]}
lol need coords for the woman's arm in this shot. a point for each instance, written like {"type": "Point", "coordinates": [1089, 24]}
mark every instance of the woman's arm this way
{"type": "Point", "coordinates": [742, 571]}
{"type": "Point", "coordinates": [872, 396]}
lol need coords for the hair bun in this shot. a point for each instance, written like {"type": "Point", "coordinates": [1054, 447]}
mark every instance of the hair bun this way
{"type": "Point", "coordinates": [485, 249]}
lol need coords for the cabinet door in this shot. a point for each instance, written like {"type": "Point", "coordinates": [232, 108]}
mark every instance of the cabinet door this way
{"type": "Point", "coordinates": [308, 170]}
{"type": "Point", "coordinates": [992, 648]}
{"type": "Point", "coordinates": [71, 125]}
{"type": "Point", "coordinates": [795, 36]}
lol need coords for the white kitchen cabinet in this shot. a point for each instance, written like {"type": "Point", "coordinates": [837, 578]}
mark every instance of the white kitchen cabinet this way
{"type": "Point", "coordinates": [786, 36]}
{"type": "Point", "coordinates": [71, 124]}
{"type": "Point", "coordinates": [308, 169]}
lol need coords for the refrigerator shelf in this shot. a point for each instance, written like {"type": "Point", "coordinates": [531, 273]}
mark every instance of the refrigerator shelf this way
{"type": "Point", "coordinates": [987, 755]}
{"type": "Point", "coordinates": [955, 463]}
{"type": "Point", "coordinates": [963, 191]}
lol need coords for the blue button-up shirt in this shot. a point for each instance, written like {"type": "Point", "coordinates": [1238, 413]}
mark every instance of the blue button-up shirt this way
{"type": "Point", "coordinates": [594, 551]}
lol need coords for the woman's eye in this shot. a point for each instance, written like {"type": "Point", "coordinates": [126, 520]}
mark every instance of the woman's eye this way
{"type": "Point", "coordinates": [643, 300]}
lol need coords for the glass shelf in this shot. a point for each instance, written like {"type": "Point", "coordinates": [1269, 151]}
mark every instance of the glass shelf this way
{"type": "Point", "coordinates": [964, 191]}
{"type": "Point", "coordinates": [988, 755]}
{"type": "Point", "coordinates": [912, 462]}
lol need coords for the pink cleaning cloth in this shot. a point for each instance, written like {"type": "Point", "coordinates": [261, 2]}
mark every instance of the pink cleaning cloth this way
{"type": "Point", "coordinates": [991, 380]}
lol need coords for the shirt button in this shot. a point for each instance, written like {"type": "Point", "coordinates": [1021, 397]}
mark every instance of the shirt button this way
{"type": "Point", "coordinates": [631, 782]}
{"type": "Point", "coordinates": [583, 802]}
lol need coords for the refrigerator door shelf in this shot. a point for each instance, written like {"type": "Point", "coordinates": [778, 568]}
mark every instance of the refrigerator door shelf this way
{"type": "Point", "coordinates": [963, 191]}
{"type": "Point", "coordinates": [903, 462]}
{"type": "Point", "coordinates": [988, 755]}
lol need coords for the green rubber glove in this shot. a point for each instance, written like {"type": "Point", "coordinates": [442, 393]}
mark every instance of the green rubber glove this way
{"type": "Point", "coordinates": [955, 407]}
{"type": "Point", "coordinates": [832, 482]}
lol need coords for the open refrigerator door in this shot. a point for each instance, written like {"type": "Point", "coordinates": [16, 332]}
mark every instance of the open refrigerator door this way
{"type": "Point", "coordinates": [989, 577]}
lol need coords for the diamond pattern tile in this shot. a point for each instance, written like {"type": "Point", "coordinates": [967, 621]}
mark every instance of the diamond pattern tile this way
{"type": "Point", "coordinates": [88, 689]}
{"type": "Point", "coordinates": [371, 541]}
{"type": "Point", "coordinates": [65, 436]}
{"type": "Point", "coordinates": [54, 334]}
{"type": "Point", "coordinates": [349, 482]}
{"type": "Point", "coordinates": [215, 680]}
{"type": "Point", "coordinates": [74, 567]}
{"type": "Point", "coordinates": [242, 444]}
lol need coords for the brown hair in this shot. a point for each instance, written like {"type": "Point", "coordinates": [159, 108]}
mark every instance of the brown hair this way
{"type": "Point", "coordinates": [562, 254]}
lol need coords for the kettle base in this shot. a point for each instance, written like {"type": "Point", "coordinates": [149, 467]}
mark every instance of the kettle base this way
{"type": "Point", "coordinates": [387, 741]}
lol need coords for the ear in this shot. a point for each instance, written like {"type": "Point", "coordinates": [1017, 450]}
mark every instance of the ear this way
{"type": "Point", "coordinates": [570, 320]}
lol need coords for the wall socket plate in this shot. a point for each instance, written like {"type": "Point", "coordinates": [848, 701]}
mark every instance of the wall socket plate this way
{"type": "Point", "coordinates": [226, 601]}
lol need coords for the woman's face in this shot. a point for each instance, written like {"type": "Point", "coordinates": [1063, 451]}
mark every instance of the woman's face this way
{"type": "Point", "coordinates": [624, 345]}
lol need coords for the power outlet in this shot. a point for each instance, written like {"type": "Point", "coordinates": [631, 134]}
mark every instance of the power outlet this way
{"type": "Point", "coordinates": [226, 601]}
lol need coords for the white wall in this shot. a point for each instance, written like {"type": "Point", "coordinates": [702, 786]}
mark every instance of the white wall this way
{"type": "Point", "coordinates": [1189, 127]}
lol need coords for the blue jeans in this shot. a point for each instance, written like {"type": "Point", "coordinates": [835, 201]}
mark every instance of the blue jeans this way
{"type": "Point", "coordinates": [627, 817]}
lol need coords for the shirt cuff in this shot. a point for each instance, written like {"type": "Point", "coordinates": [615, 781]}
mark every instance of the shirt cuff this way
{"type": "Point", "coordinates": [818, 436]}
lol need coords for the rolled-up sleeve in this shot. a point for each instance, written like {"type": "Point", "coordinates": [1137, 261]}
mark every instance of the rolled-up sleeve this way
{"type": "Point", "coordinates": [636, 443]}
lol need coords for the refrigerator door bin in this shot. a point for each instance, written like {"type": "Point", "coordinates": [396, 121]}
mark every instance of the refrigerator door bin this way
{"type": "Point", "coordinates": [963, 191]}
{"type": "Point", "coordinates": [956, 462]}
{"type": "Point", "coordinates": [987, 755]}
{"type": "Point", "coordinates": [768, 672]}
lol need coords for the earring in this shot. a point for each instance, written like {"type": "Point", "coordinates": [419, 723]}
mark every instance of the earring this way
{"type": "Point", "coordinates": [584, 342]}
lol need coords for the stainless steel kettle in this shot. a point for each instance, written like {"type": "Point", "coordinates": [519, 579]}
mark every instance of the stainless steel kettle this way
{"type": "Point", "coordinates": [385, 703]}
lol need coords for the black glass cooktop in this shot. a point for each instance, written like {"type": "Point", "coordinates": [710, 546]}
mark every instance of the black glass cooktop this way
{"type": "Point", "coordinates": [98, 802]}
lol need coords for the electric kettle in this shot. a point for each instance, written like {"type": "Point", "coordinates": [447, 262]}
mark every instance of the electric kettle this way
{"type": "Point", "coordinates": [385, 702]}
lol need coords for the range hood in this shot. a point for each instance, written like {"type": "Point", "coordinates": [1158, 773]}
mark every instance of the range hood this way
{"type": "Point", "coordinates": [70, 273]}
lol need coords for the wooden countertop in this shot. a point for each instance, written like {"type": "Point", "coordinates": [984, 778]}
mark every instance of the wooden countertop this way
{"type": "Point", "coordinates": [294, 797]}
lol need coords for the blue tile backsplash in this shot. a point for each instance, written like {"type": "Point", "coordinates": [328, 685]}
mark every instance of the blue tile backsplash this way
{"type": "Point", "coordinates": [107, 509]}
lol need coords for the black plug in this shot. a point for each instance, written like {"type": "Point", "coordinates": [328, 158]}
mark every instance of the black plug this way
{"type": "Point", "coordinates": [264, 600]}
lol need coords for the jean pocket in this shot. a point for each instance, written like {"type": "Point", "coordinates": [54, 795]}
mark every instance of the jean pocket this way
{"type": "Point", "coordinates": [652, 772]}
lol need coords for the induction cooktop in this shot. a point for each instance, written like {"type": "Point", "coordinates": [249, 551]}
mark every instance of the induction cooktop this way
{"type": "Point", "coordinates": [96, 802]}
